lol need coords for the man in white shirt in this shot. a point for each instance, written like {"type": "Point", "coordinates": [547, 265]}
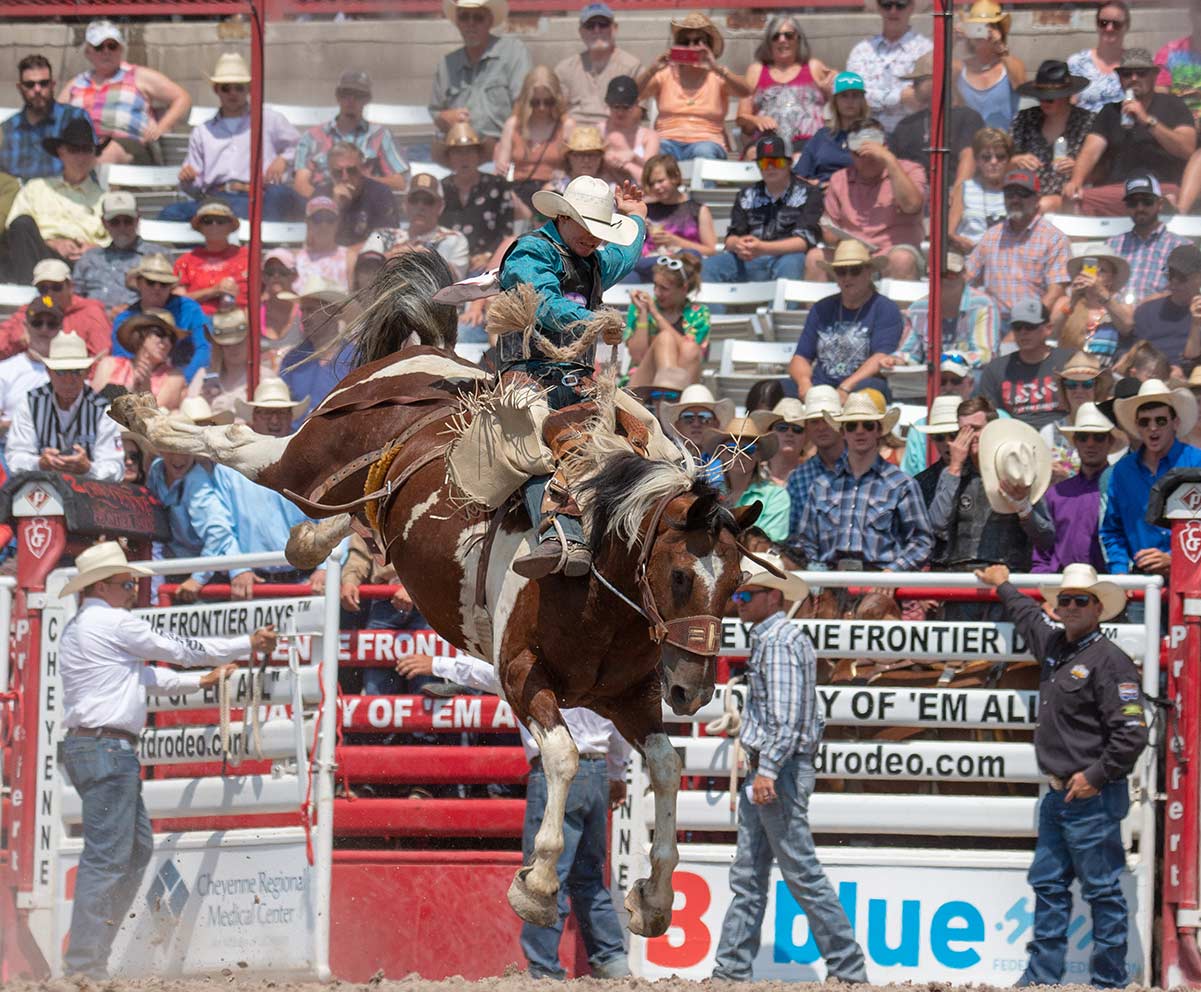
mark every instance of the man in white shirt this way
{"type": "Point", "coordinates": [102, 659]}
{"type": "Point", "coordinates": [598, 785]}
{"type": "Point", "coordinates": [63, 426]}
{"type": "Point", "coordinates": [24, 371]}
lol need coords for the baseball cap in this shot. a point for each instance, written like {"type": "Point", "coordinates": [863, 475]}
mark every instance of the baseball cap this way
{"type": "Point", "coordinates": [354, 80]}
{"type": "Point", "coordinates": [1137, 185]}
{"type": "Point", "coordinates": [374, 245]}
{"type": "Point", "coordinates": [1186, 259]}
{"type": "Point", "coordinates": [118, 204]}
{"type": "Point", "coordinates": [51, 270]}
{"type": "Point", "coordinates": [591, 10]}
{"type": "Point", "coordinates": [423, 182]}
{"type": "Point", "coordinates": [320, 204]}
{"type": "Point", "coordinates": [622, 91]}
{"type": "Point", "coordinates": [43, 304]}
{"type": "Point", "coordinates": [955, 362]}
{"type": "Point", "coordinates": [281, 255]}
{"type": "Point", "coordinates": [771, 146]}
{"type": "Point", "coordinates": [1028, 311]}
{"type": "Point", "coordinates": [103, 30]}
{"type": "Point", "coordinates": [846, 81]}
{"type": "Point", "coordinates": [1024, 179]}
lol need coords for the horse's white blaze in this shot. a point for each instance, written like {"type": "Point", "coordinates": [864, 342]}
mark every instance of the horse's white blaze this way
{"type": "Point", "coordinates": [420, 511]}
{"type": "Point", "coordinates": [433, 364]}
{"type": "Point", "coordinates": [708, 571]}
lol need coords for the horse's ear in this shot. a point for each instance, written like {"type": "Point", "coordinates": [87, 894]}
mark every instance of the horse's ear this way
{"type": "Point", "coordinates": [745, 516]}
{"type": "Point", "coordinates": [702, 512]}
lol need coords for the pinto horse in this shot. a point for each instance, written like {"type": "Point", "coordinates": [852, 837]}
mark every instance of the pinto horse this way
{"type": "Point", "coordinates": [642, 628]}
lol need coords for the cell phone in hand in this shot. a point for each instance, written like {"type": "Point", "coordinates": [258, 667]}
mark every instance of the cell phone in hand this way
{"type": "Point", "coordinates": [685, 56]}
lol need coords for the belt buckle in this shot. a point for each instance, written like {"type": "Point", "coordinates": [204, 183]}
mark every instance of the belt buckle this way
{"type": "Point", "coordinates": [570, 379]}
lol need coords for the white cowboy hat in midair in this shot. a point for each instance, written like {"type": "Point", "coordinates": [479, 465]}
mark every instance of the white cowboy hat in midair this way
{"type": "Point", "coordinates": [589, 202]}
{"type": "Point", "coordinates": [1156, 391]}
{"type": "Point", "coordinates": [1083, 578]}
{"type": "Point", "coordinates": [1012, 451]}
{"type": "Point", "coordinates": [792, 586]}
{"type": "Point", "coordinates": [100, 561]}
{"type": "Point", "coordinates": [272, 394]}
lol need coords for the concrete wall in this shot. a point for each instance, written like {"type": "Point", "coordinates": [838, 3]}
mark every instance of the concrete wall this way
{"type": "Point", "coordinates": [304, 59]}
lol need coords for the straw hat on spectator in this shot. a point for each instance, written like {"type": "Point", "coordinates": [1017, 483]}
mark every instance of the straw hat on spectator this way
{"type": "Point", "coordinates": [317, 287]}
{"type": "Point", "coordinates": [585, 138]}
{"type": "Point", "coordinates": [1080, 577]}
{"type": "Point", "coordinates": [820, 400]}
{"type": "Point", "coordinates": [859, 406]}
{"type": "Point", "coordinates": [67, 353]}
{"type": "Point", "coordinates": [498, 8]}
{"type": "Point", "coordinates": [988, 12]}
{"type": "Point", "coordinates": [272, 394]}
{"type": "Point", "coordinates": [944, 416]}
{"type": "Point", "coordinates": [789, 411]}
{"type": "Point", "coordinates": [100, 561]}
{"type": "Point", "coordinates": [852, 252]}
{"type": "Point", "coordinates": [670, 378]}
{"type": "Point", "coordinates": [756, 576]}
{"type": "Point", "coordinates": [697, 395]}
{"type": "Point", "coordinates": [696, 21]}
{"type": "Point", "coordinates": [198, 411]}
{"type": "Point", "coordinates": [156, 268]}
{"type": "Point", "coordinates": [1012, 451]}
{"type": "Point", "coordinates": [214, 208]}
{"type": "Point", "coordinates": [462, 135]}
{"type": "Point", "coordinates": [152, 317]}
{"type": "Point", "coordinates": [1083, 366]}
{"type": "Point", "coordinates": [231, 68]}
{"type": "Point", "coordinates": [589, 203]}
{"type": "Point", "coordinates": [1180, 399]}
{"type": "Point", "coordinates": [229, 326]}
{"type": "Point", "coordinates": [1100, 251]}
{"type": "Point", "coordinates": [754, 428]}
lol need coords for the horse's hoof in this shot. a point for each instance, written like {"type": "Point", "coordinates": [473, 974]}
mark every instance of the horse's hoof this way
{"type": "Point", "coordinates": [128, 410]}
{"type": "Point", "coordinates": [540, 910]}
{"type": "Point", "coordinates": [646, 920]}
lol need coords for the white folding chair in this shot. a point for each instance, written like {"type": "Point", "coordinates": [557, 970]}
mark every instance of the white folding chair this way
{"type": "Point", "coordinates": [14, 295]}
{"type": "Point", "coordinates": [758, 359]}
{"type": "Point", "coordinates": [170, 232]}
{"type": "Point", "coordinates": [1187, 226]}
{"type": "Point", "coordinates": [902, 291]}
{"type": "Point", "coordinates": [439, 172]}
{"type": "Point", "coordinates": [800, 291]}
{"type": "Point", "coordinates": [301, 116]}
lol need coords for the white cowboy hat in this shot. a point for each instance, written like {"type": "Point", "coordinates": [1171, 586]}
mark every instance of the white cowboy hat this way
{"type": "Point", "coordinates": [316, 286]}
{"type": "Point", "coordinates": [1101, 252]}
{"type": "Point", "coordinates": [100, 561]}
{"type": "Point", "coordinates": [860, 406]}
{"type": "Point", "coordinates": [272, 394]}
{"type": "Point", "coordinates": [792, 586]}
{"type": "Point", "coordinates": [1088, 420]}
{"type": "Point", "coordinates": [67, 353]}
{"type": "Point", "coordinates": [1083, 578]}
{"type": "Point", "coordinates": [499, 8]}
{"type": "Point", "coordinates": [198, 411]}
{"type": "Point", "coordinates": [1012, 451]}
{"type": "Point", "coordinates": [589, 202]}
{"type": "Point", "coordinates": [822, 399]}
{"type": "Point", "coordinates": [944, 416]}
{"type": "Point", "coordinates": [697, 395]}
{"type": "Point", "coordinates": [790, 410]}
{"type": "Point", "coordinates": [1156, 391]}
{"type": "Point", "coordinates": [231, 68]}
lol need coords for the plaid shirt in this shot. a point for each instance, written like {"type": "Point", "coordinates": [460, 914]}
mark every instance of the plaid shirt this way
{"type": "Point", "coordinates": [21, 151]}
{"type": "Point", "coordinates": [799, 486]}
{"type": "Point", "coordinates": [1148, 258]}
{"type": "Point", "coordinates": [879, 517]}
{"type": "Point", "coordinates": [381, 157]}
{"type": "Point", "coordinates": [782, 717]}
{"type": "Point", "coordinates": [1011, 266]}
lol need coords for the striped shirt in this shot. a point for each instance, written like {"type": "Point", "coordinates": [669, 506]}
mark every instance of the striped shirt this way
{"type": "Point", "coordinates": [800, 485]}
{"type": "Point", "coordinates": [40, 423]}
{"type": "Point", "coordinates": [21, 151]}
{"type": "Point", "coordinates": [782, 717]}
{"type": "Point", "coordinates": [381, 157]}
{"type": "Point", "coordinates": [1012, 265]}
{"type": "Point", "coordinates": [117, 106]}
{"type": "Point", "coordinates": [1148, 258]}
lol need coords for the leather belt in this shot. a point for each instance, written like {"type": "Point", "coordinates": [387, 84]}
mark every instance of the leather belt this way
{"type": "Point", "coordinates": [233, 186]}
{"type": "Point", "coordinates": [1057, 783]}
{"type": "Point", "coordinates": [98, 732]}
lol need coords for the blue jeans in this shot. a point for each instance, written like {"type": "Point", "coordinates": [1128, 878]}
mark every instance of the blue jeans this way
{"type": "Point", "coordinates": [117, 845]}
{"type": "Point", "coordinates": [581, 872]}
{"type": "Point", "coordinates": [684, 151]}
{"type": "Point", "coordinates": [532, 492]}
{"type": "Point", "coordinates": [382, 615]}
{"type": "Point", "coordinates": [280, 203]}
{"type": "Point", "coordinates": [1079, 840]}
{"type": "Point", "coordinates": [780, 831]}
{"type": "Point", "coordinates": [725, 266]}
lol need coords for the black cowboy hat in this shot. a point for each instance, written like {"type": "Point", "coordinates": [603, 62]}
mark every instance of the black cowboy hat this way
{"type": "Point", "coordinates": [1053, 80]}
{"type": "Point", "coordinates": [77, 131]}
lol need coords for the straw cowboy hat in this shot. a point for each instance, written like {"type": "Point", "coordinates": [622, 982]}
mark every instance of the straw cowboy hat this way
{"type": "Point", "coordinates": [462, 135]}
{"type": "Point", "coordinates": [822, 399]}
{"type": "Point", "coordinates": [229, 326]}
{"type": "Point", "coordinates": [317, 287]}
{"type": "Point", "coordinates": [1156, 391]}
{"type": "Point", "coordinates": [669, 378]}
{"type": "Point", "coordinates": [156, 268]}
{"type": "Point", "coordinates": [67, 353]}
{"type": "Point", "coordinates": [697, 395]}
{"type": "Point", "coordinates": [585, 138]}
{"type": "Point", "coordinates": [151, 317]}
{"type": "Point", "coordinates": [231, 68]}
{"type": "Point", "coordinates": [272, 394]}
{"type": "Point", "coordinates": [792, 586]}
{"type": "Point", "coordinates": [1083, 366]}
{"type": "Point", "coordinates": [944, 416]}
{"type": "Point", "coordinates": [851, 252]}
{"type": "Point", "coordinates": [1101, 252]}
{"type": "Point", "coordinates": [697, 21]}
{"type": "Point", "coordinates": [1088, 420]}
{"type": "Point", "coordinates": [100, 561]}
{"type": "Point", "coordinates": [1083, 578]}
{"type": "Point", "coordinates": [858, 407]}
{"type": "Point", "coordinates": [589, 202]}
{"type": "Point", "coordinates": [499, 8]}
{"type": "Point", "coordinates": [1012, 451]}
{"type": "Point", "coordinates": [754, 428]}
{"type": "Point", "coordinates": [197, 410]}
{"type": "Point", "coordinates": [789, 411]}
{"type": "Point", "coordinates": [988, 12]}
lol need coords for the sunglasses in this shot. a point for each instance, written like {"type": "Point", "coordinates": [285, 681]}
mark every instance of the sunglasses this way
{"type": "Point", "coordinates": [51, 287]}
{"type": "Point", "coordinates": [950, 356]}
{"type": "Point", "coordinates": [1078, 599]}
{"type": "Point", "coordinates": [849, 271]}
{"type": "Point", "coordinates": [128, 585]}
{"type": "Point", "coordinates": [598, 24]}
{"type": "Point", "coordinates": [663, 395]}
{"type": "Point", "coordinates": [692, 39]}
{"type": "Point", "coordinates": [620, 107]}
{"type": "Point", "coordinates": [951, 381]}
{"type": "Point", "coordinates": [1017, 327]}
{"type": "Point", "coordinates": [740, 449]}
{"type": "Point", "coordinates": [1141, 200]}
{"type": "Point", "coordinates": [544, 103]}
{"type": "Point", "coordinates": [992, 157]}
{"type": "Point", "coordinates": [784, 36]}
{"type": "Point", "coordinates": [45, 325]}
{"type": "Point", "coordinates": [37, 84]}
{"type": "Point", "coordinates": [67, 373]}
{"type": "Point", "coordinates": [745, 595]}
{"type": "Point", "coordinates": [274, 273]}
{"type": "Point", "coordinates": [346, 172]}
{"type": "Point", "coordinates": [232, 88]}
{"type": "Point", "coordinates": [775, 162]}
{"type": "Point", "coordinates": [472, 16]}
{"type": "Point", "coordinates": [893, 4]}
{"type": "Point", "coordinates": [121, 221]}
{"type": "Point", "coordinates": [1130, 72]}
{"type": "Point", "coordinates": [1145, 422]}
{"type": "Point", "coordinates": [696, 417]}
{"type": "Point", "coordinates": [212, 221]}
{"type": "Point", "coordinates": [107, 46]}
{"type": "Point", "coordinates": [1079, 383]}
{"type": "Point", "coordinates": [352, 95]}
{"type": "Point", "coordinates": [1110, 24]}
{"type": "Point", "coordinates": [670, 263]}
{"type": "Point", "coordinates": [870, 426]}
{"type": "Point", "coordinates": [1092, 437]}
{"type": "Point", "coordinates": [788, 428]}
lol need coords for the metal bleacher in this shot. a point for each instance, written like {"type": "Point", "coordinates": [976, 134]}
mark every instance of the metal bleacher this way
{"type": "Point", "coordinates": [14, 296]}
{"type": "Point", "coordinates": [410, 124]}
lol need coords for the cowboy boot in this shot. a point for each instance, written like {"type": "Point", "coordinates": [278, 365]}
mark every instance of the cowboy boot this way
{"type": "Point", "coordinates": [562, 547]}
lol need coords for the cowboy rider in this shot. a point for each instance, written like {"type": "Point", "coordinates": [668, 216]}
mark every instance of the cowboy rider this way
{"type": "Point", "coordinates": [591, 242]}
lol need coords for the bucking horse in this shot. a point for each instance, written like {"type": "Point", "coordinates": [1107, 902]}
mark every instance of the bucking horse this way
{"type": "Point", "coordinates": [641, 628]}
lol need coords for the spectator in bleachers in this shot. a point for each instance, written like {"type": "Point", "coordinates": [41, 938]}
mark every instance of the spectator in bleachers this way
{"type": "Point", "coordinates": [978, 202]}
{"type": "Point", "coordinates": [882, 61]}
{"type": "Point", "coordinates": [149, 338]}
{"type": "Point", "coordinates": [102, 274]}
{"type": "Point", "coordinates": [910, 139]}
{"type": "Point", "coordinates": [764, 395]}
{"type": "Point", "coordinates": [62, 426]}
{"type": "Point", "coordinates": [1146, 248]}
{"type": "Point", "coordinates": [1180, 62]}
{"type": "Point", "coordinates": [365, 204]}
{"type": "Point", "coordinates": [155, 280]}
{"type": "Point", "coordinates": [382, 160]}
{"type": "Point", "coordinates": [423, 208]}
{"type": "Point", "coordinates": [693, 95]}
{"type": "Point", "coordinates": [369, 263]}
{"type": "Point", "coordinates": [531, 146]}
{"type": "Point", "coordinates": [280, 323]}
{"type": "Point", "coordinates": [58, 216]}
{"type": "Point", "coordinates": [866, 513]}
{"type": "Point", "coordinates": [223, 382]}
{"type": "Point", "coordinates": [1082, 380]}
{"type": "Point", "coordinates": [138, 458]}
{"type": "Point", "coordinates": [938, 427]}
{"type": "Point", "coordinates": [955, 379]}
{"type": "Point", "coordinates": [987, 79]}
{"type": "Point", "coordinates": [676, 222]}
{"type": "Point", "coordinates": [1157, 417]}
{"type": "Point", "coordinates": [80, 315]}
{"type": "Point", "coordinates": [848, 336]}
{"type": "Point", "coordinates": [218, 160]}
{"type": "Point", "coordinates": [474, 204]}
{"type": "Point", "coordinates": [667, 329]}
{"type": "Point", "coordinates": [687, 420]}
{"type": "Point", "coordinates": [789, 430]}
{"type": "Point", "coordinates": [478, 83]}
{"type": "Point", "coordinates": [743, 446]}
{"type": "Point", "coordinates": [314, 367]}
{"type": "Point", "coordinates": [1151, 133]}
{"type": "Point", "coordinates": [215, 275]}
{"type": "Point", "coordinates": [877, 199]}
{"type": "Point", "coordinates": [1092, 316]}
{"type": "Point", "coordinates": [1142, 362]}
{"type": "Point", "coordinates": [1047, 139]}
{"type": "Point", "coordinates": [322, 255]}
{"type": "Point", "coordinates": [773, 224]}
{"type": "Point", "coordinates": [1097, 66]}
{"type": "Point", "coordinates": [120, 98]}
{"type": "Point", "coordinates": [1172, 322]}
{"type": "Point", "coordinates": [26, 369]}
{"type": "Point", "coordinates": [971, 320]}
{"type": "Point", "coordinates": [629, 143]}
{"type": "Point", "coordinates": [827, 152]}
{"type": "Point", "coordinates": [666, 387]}
{"type": "Point", "coordinates": [1024, 383]}
{"type": "Point", "coordinates": [22, 150]}
{"type": "Point", "coordinates": [583, 155]}
{"type": "Point", "coordinates": [791, 87]}
{"type": "Point", "coordinates": [587, 76]}
{"type": "Point", "coordinates": [826, 439]}
{"type": "Point", "coordinates": [1023, 257]}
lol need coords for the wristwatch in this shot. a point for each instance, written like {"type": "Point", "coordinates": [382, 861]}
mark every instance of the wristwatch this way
{"type": "Point", "coordinates": [1152, 121]}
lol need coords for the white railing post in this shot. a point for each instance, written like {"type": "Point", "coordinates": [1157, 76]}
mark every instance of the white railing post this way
{"type": "Point", "coordinates": [324, 769]}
